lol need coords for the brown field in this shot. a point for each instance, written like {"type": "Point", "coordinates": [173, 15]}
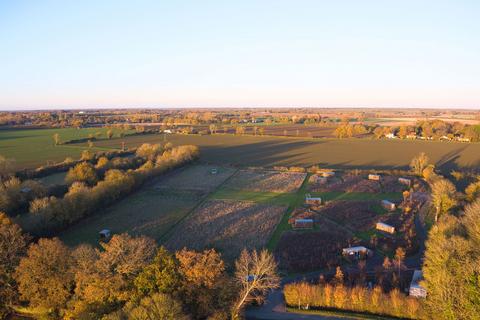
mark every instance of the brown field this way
{"type": "Point", "coordinates": [228, 226]}
{"type": "Point", "coordinates": [354, 215]}
{"type": "Point", "coordinates": [333, 153]}
{"type": "Point", "coordinates": [266, 181]}
{"type": "Point", "coordinates": [360, 183]}
{"type": "Point", "coordinates": [303, 251]}
{"type": "Point", "coordinates": [196, 177]}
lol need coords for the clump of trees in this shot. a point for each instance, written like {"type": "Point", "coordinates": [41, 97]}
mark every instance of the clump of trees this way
{"type": "Point", "coordinates": [52, 214]}
{"type": "Point", "coordinates": [304, 295]}
{"type": "Point", "coordinates": [451, 268]}
{"type": "Point", "coordinates": [127, 278]}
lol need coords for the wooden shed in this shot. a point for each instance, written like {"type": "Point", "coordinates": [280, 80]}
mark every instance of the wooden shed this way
{"type": "Point", "coordinates": [375, 177]}
{"type": "Point", "coordinates": [390, 206]}
{"type": "Point", "coordinates": [385, 227]}
{"type": "Point", "coordinates": [313, 201]}
{"type": "Point", "coordinates": [303, 224]}
{"type": "Point", "coordinates": [105, 235]}
{"type": "Point", "coordinates": [405, 181]}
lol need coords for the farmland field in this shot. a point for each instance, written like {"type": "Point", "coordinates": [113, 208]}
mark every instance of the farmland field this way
{"type": "Point", "coordinates": [149, 212]}
{"type": "Point", "coordinates": [335, 153]}
{"type": "Point", "coordinates": [31, 148]}
{"type": "Point", "coordinates": [34, 147]}
{"type": "Point", "coordinates": [228, 226]}
{"type": "Point", "coordinates": [266, 181]}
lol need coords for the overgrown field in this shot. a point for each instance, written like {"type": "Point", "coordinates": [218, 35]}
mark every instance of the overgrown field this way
{"type": "Point", "coordinates": [228, 226]}
{"type": "Point", "coordinates": [32, 148]}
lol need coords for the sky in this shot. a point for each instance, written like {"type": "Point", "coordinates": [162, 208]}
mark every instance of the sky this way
{"type": "Point", "coordinates": [264, 53]}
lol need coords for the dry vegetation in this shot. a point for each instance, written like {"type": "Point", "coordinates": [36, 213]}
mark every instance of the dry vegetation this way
{"type": "Point", "coordinates": [196, 177]}
{"type": "Point", "coordinates": [228, 226]}
{"type": "Point", "coordinates": [266, 181]}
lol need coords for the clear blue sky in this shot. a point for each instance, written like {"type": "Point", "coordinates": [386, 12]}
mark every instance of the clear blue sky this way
{"type": "Point", "coordinates": [323, 53]}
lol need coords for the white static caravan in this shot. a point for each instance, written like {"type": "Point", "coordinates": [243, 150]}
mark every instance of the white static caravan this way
{"type": "Point", "coordinates": [416, 290]}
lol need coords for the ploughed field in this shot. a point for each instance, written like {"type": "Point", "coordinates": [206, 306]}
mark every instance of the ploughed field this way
{"type": "Point", "coordinates": [32, 148]}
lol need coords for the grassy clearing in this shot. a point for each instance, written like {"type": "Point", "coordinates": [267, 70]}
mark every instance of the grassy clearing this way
{"type": "Point", "coordinates": [52, 179]}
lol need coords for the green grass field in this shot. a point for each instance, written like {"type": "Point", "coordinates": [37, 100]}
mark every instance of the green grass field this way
{"type": "Point", "coordinates": [30, 148]}
{"type": "Point", "coordinates": [35, 147]}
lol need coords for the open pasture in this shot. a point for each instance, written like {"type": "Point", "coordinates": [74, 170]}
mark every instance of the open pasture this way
{"type": "Point", "coordinates": [228, 226]}
{"type": "Point", "coordinates": [266, 181]}
{"type": "Point", "coordinates": [35, 147]}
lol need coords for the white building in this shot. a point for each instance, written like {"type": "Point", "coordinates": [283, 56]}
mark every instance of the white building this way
{"type": "Point", "coordinates": [416, 290]}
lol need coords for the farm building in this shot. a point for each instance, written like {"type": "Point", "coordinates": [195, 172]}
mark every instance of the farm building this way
{"type": "Point", "coordinates": [416, 290]}
{"type": "Point", "coordinates": [303, 224]}
{"type": "Point", "coordinates": [388, 205]}
{"type": "Point", "coordinates": [328, 174]}
{"type": "Point", "coordinates": [313, 201]}
{"type": "Point", "coordinates": [356, 252]}
{"type": "Point", "coordinates": [375, 177]}
{"type": "Point", "coordinates": [405, 181]}
{"type": "Point", "coordinates": [385, 227]}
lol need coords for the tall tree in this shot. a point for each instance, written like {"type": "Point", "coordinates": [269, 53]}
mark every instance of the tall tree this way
{"type": "Point", "coordinates": [419, 163]}
{"type": "Point", "coordinates": [444, 196]}
{"type": "Point", "coordinates": [44, 276]}
{"type": "Point", "coordinates": [255, 275]}
{"type": "Point", "coordinates": [13, 245]}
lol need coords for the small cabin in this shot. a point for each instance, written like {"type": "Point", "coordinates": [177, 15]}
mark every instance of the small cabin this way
{"type": "Point", "coordinates": [416, 290]}
{"type": "Point", "coordinates": [356, 252]}
{"type": "Point", "coordinates": [385, 227]}
{"type": "Point", "coordinates": [390, 206]}
{"type": "Point", "coordinates": [405, 181]}
{"type": "Point", "coordinates": [303, 224]}
{"type": "Point", "coordinates": [313, 201]}
{"type": "Point", "coordinates": [105, 235]}
{"type": "Point", "coordinates": [328, 174]}
{"type": "Point", "coordinates": [375, 177]}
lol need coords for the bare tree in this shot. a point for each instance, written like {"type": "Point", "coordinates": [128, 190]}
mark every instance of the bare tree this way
{"type": "Point", "coordinates": [256, 274]}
